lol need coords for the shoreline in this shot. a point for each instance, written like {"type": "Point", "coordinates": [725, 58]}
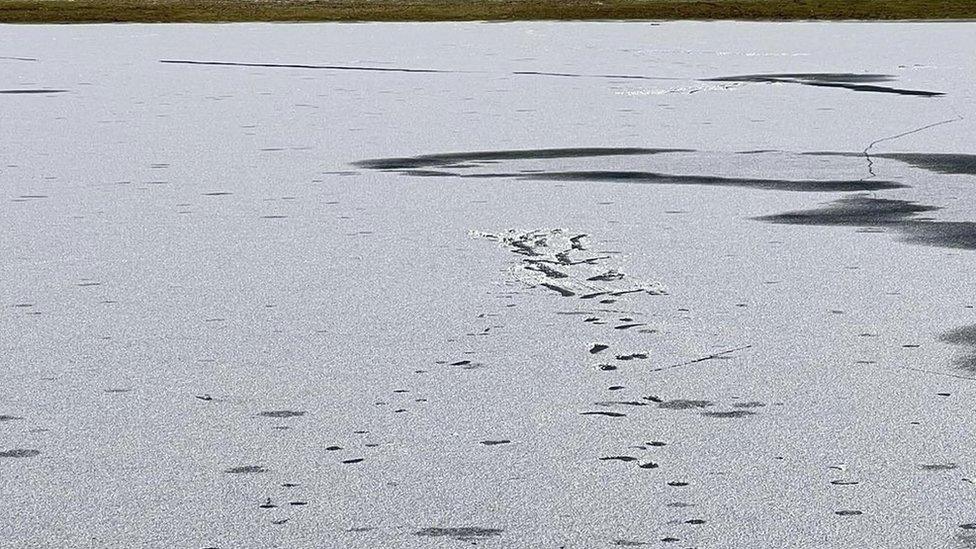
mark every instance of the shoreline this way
{"type": "Point", "coordinates": [217, 11]}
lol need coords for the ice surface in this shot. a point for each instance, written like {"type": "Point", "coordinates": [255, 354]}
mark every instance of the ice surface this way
{"type": "Point", "coordinates": [514, 285]}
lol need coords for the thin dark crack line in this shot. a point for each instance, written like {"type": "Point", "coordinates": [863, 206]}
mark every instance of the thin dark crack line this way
{"type": "Point", "coordinates": [410, 70]}
{"type": "Point", "coordinates": [867, 150]}
{"type": "Point", "coordinates": [704, 358]}
{"type": "Point", "coordinates": [606, 76]}
{"type": "Point", "coordinates": [853, 87]}
{"type": "Point", "coordinates": [932, 372]}
{"type": "Point", "coordinates": [301, 66]}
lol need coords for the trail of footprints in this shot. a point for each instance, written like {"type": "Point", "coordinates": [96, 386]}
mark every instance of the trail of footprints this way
{"type": "Point", "coordinates": [562, 263]}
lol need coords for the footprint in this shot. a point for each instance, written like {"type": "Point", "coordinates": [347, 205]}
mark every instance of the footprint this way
{"type": "Point", "coordinates": [281, 414]}
{"type": "Point", "coordinates": [937, 466]}
{"type": "Point", "coordinates": [683, 404]}
{"type": "Point", "coordinates": [728, 415]}
{"type": "Point", "coordinates": [19, 453]}
{"type": "Point", "coordinates": [246, 469]}
{"type": "Point", "coordinates": [463, 533]}
{"type": "Point", "coordinates": [611, 403]}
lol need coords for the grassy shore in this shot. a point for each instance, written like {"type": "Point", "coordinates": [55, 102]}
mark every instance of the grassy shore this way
{"type": "Point", "coordinates": [107, 11]}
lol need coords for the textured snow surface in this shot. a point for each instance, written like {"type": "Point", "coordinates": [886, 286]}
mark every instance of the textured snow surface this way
{"type": "Point", "coordinates": [530, 285]}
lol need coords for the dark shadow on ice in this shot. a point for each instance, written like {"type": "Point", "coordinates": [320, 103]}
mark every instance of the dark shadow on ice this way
{"type": "Point", "coordinates": [899, 215]}
{"type": "Point", "coordinates": [450, 159]}
{"type": "Point", "coordinates": [942, 163]}
{"type": "Point", "coordinates": [964, 337]}
{"type": "Point", "coordinates": [849, 81]}
{"type": "Point", "coordinates": [856, 211]}
{"type": "Point", "coordinates": [794, 185]}
{"type": "Point", "coordinates": [945, 234]}
{"type": "Point", "coordinates": [422, 165]}
{"type": "Point", "coordinates": [950, 164]}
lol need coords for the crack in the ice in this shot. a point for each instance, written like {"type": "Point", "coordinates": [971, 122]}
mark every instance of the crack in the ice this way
{"type": "Point", "coordinates": [301, 66]}
{"type": "Point", "coordinates": [867, 150]}
{"type": "Point", "coordinates": [854, 82]}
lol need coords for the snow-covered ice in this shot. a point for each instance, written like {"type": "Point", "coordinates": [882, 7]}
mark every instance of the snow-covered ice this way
{"type": "Point", "coordinates": [515, 285]}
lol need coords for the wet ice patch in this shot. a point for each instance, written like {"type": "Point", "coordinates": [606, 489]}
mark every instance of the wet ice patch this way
{"type": "Point", "coordinates": [475, 158]}
{"type": "Point", "coordinates": [963, 337]}
{"type": "Point", "coordinates": [552, 164]}
{"type": "Point", "coordinates": [944, 163]}
{"type": "Point", "coordinates": [940, 163]}
{"type": "Point", "coordinates": [899, 215]}
{"type": "Point", "coordinates": [654, 178]}
{"type": "Point", "coordinates": [851, 81]}
{"type": "Point", "coordinates": [858, 211]}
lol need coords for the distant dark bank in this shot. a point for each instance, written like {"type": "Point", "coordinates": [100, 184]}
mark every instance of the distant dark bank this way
{"type": "Point", "coordinates": [173, 11]}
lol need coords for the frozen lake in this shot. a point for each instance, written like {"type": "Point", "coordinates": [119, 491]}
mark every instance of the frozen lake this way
{"type": "Point", "coordinates": [514, 285]}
